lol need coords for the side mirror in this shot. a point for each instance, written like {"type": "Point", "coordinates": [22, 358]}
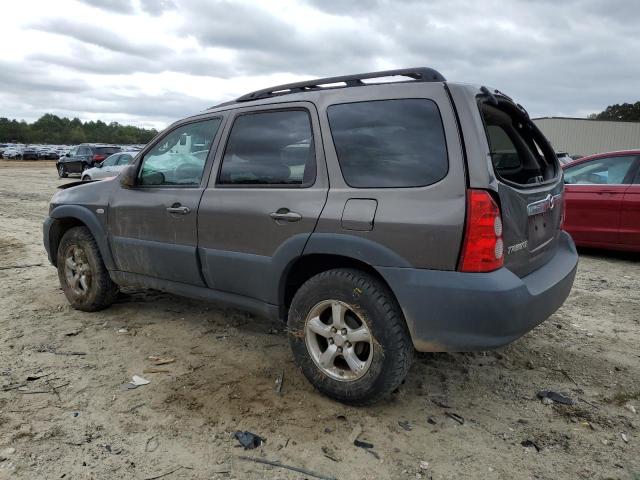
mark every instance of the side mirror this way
{"type": "Point", "coordinates": [128, 176]}
{"type": "Point", "coordinates": [99, 165]}
{"type": "Point", "coordinates": [67, 155]}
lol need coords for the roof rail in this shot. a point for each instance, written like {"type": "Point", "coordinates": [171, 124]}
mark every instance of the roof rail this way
{"type": "Point", "coordinates": [421, 74]}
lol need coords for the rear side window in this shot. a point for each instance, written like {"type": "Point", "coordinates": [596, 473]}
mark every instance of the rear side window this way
{"type": "Point", "coordinates": [389, 143]}
{"type": "Point", "coordinates": [270, 148]}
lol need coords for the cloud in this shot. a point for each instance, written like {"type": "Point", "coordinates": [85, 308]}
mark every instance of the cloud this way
{"type": "Point", "coordinates": [118, 6]}
{"type": "Point", "coordinates": [93, 34]}
{"type": "Point", "coordinates": [157, 60]}
{"type": "Point", "coordinates": [156, 7]}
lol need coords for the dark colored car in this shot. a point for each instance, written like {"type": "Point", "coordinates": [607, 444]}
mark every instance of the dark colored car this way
{"type": "Point", "coordinates": [373, 218]}
{"type": "Point", "coordinates": [30, 154]}
{"type": "Point", "coordinates": [602, 195]}
{"type": "Point", "coordinates": [50, 155]}
{"type": "Point", "coordinates": [83, 157]}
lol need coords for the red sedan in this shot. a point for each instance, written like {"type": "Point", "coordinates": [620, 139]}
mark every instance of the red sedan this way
{"type": "Point", "coordinates": [602, 200]}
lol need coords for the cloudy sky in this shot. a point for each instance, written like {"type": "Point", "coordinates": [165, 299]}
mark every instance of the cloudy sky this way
{"type": "Point", "coordinates": [149, 62]}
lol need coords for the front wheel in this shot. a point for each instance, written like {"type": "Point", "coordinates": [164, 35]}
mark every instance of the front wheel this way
{"type": "Point", "coordinates": [349, 337]}
{"type": "Point", "coordinates": [62, 173]}
{"type": "Point", "coordinates": [83, 276]}
{"type": "Point", "coordinates": [86, 178]}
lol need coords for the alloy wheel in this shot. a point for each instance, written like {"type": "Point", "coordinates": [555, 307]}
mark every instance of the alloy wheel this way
{"type": "Point", "coordinates": [338, 340]}
{"type": "Point", "coordinates": [77, 270]}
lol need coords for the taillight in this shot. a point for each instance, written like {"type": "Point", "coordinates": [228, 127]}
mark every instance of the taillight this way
{"type": "Point", "coordinates": [482, 249]}
{"type": "Point", "coordinates": [98, 158]}
{"type": "Point", "coordinates": [563, 215]}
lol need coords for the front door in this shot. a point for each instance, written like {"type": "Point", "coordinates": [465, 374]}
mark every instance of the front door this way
{"type": "Point", "coordinates": [264, 198]}
{"type": "Point", "coordinates": [152, 226]}
{"type": "Point", "coordinates": [593, 193]}
{"type": "Point", "coordinates": [630, 213]}
{"type": "Point", "coordinates": [75, 162]}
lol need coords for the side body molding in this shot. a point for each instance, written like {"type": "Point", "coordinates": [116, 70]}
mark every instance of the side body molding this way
{"type": "Point", "coordinates": [97, 229]}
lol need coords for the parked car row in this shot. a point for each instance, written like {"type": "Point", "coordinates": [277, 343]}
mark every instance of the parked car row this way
{"type": "Point", "coordinates": [18, 151]}
{"type": "Point", "coordinates": [15, 151]}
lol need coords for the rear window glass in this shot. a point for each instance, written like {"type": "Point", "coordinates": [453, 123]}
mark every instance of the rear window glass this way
{"type": "Point", "coordinates": [107, 150]}
{"type": "Point", "coordinates": [389, 143]}
{"type": "Point", "coordinates": [519, 153]}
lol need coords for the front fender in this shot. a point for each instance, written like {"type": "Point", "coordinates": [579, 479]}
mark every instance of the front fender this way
{"type": "Point", "coordinates": [89, 219]}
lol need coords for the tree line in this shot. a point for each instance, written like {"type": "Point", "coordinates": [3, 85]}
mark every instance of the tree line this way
{"type": "Point", "coordinates": [51, 129]}
{"type": "Point", "coordinates": [627, 112]}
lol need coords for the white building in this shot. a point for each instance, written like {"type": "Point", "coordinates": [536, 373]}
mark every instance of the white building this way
{"type": "Point", "coordinates": [580, 136]}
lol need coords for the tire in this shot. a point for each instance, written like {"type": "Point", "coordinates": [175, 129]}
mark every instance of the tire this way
{"type": "Point", "coordinates": [62, 173]}
{"type": "Point", "coordinates": [382, 363]}
{"type": "Point", "coordinates": [78, 256]}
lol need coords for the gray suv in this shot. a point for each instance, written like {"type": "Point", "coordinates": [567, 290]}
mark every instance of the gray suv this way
{"type": "Point", "coordinates": [375, 218]}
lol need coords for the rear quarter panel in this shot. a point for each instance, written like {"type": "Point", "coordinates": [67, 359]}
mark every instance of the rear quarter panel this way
{"type": "Point", "coordinates": [423, 226]}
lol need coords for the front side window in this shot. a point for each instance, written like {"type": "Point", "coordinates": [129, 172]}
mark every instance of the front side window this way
{"type": "Point", "coordinates": [389, 143]}
{"type": "Point", "coordinates": [179, 157]}
{"type": "Point", "coordinates": [269, 148]}
{"type": "Point", "coordinates": [602, 171]}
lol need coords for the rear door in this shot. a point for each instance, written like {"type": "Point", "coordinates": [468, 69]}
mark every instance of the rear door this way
{"type": "Point", "coordinates": [528, 182]}
{"type": "Point", "coordinates": [264, 197]}
{"type": "Point", "coordinates": [630, 212]}
{"type": "Point", "coordinates": [594, 194]}
{"type": "Point", "coordinates": [153, 226]}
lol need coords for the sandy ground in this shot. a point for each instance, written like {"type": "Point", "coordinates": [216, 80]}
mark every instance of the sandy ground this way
{"type": "Point", "coordinates": [75, 421]}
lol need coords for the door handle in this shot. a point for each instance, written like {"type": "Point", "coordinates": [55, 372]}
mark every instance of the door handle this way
{"type": "Point", "coordinates": [285, 215]}
{"type": "Point", "coordinates": [177, 208]}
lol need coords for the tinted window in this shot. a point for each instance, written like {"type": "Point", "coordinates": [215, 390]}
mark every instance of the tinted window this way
{"type": "Point", "coordinates": [106, 150]}
{"type": "Point", "coordinates": [389, 143]}
{"type": "Point", "coordinates": [270, 148]}
{"type": "Point", "coordinates": [602, 171]}
{"type": "Point", "coordinates": [83, 151]}
{"type": "Point", "coordinates": [179, 157]}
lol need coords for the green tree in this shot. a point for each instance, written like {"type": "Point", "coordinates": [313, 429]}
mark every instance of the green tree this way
{"type": "Point", "coordinates": [627, 112]}
{"type": "Point", "coordinates": [56, 130]}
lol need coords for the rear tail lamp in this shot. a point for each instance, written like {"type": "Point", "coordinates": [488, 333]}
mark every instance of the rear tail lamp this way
{"type": "Point", "coordinates": [98, 158]}
{"type": "Point", "coordinates": [482, 248]}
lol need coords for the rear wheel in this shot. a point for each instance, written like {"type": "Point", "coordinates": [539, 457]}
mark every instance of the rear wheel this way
{"type": "Point", "coordinates": [86, 178]}
{"type": "Point", "coordinates": [62, 172]}
{"type": "Point", "coordinates": [349, 337]}
{"type": "Point", "coordinates": [84, 279]}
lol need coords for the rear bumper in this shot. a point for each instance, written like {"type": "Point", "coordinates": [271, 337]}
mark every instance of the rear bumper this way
{"type": "Point", "coordinates": [455, 311]}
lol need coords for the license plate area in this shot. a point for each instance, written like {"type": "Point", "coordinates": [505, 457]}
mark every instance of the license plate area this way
{"type": "Point", "coordinates": [540, 229]}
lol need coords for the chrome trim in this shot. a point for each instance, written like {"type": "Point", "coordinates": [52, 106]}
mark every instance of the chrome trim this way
{"type": "Point", "coordinates": [544, 205]}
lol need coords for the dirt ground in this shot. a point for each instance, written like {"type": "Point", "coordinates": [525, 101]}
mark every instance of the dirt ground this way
{"type": "Point", "coordinates": [64, 414]}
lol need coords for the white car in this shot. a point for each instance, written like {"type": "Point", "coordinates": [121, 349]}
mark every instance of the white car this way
{"type": "Point", "coordinates": [110, 166]}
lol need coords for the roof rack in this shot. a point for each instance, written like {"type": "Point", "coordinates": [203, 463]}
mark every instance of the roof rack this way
{"type": "Point", "coordinates": [421, 74]}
